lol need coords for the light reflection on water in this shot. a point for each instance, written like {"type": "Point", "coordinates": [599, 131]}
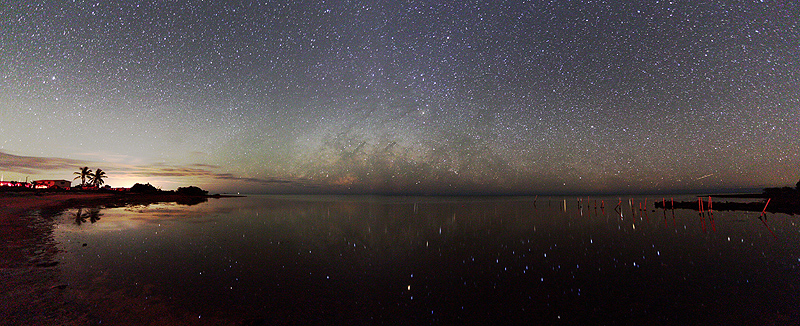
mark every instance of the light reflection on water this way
{"type": "Point", "coordinates": [321, 259]}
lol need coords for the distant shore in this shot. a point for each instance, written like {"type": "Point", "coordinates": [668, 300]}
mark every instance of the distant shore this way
{"type": "Point", "coordinates": [787, 203]}
{"type": "Point", "coordinates": [13, 203]}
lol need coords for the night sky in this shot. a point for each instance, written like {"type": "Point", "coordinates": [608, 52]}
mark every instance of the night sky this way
{"type": "Point", "coordinates": [414, 97]}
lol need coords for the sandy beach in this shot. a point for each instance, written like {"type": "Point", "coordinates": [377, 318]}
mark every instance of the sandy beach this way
{"type": "Point", "coordinates": [32, 291]}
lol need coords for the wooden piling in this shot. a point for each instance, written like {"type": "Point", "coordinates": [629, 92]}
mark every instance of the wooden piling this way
{"type": "Point", "coordinates": [764, 211]}
{"type": "Point", "coordinates": [710, 210]}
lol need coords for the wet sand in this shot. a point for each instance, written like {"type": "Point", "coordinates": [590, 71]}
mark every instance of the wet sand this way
{"type": "Point", "coordinates": [32, 290]}
{"type": "Point", "coordinates": [31, 293]}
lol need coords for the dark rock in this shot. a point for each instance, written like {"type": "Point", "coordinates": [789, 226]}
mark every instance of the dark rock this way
{"type": "Point", "coordinates": [47, 264]}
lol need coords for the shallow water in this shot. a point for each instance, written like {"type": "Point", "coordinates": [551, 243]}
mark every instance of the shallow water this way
{"type": "Point", "coordinates": [433, 260]}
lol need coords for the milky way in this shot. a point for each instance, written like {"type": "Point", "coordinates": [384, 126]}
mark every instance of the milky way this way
{"type": "Point", "coordinates": [405, 96]}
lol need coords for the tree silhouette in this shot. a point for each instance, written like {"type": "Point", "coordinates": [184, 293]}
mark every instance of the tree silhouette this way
{"type": "Point", "coordinates": [96, 178]}
{"type": "Point", "coordinates": [143, 188]}
{"type": "Point", "coordinates": [83, 173]}
{"type": "Point", "coordinates": [191, 191]}
{"type": "Point", "coordinates": [94, 215]}
{"type": "Point", "coordinates": [80, 217]}
{"type": "Point", "coordinates": [797, 186]}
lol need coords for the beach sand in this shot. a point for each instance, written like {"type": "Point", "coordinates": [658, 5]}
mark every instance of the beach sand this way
{"type": "Point", "coordinates": [32, 289]}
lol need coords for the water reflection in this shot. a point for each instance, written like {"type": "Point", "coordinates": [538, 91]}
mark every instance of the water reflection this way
{"type": "Point", "coordinates": [763, 219]}
{"type": "Point", "coordinates": [92, 214]}
{"type": "Point", "coordinates": [445, 260]}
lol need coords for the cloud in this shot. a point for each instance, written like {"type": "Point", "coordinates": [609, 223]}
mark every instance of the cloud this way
{"type": "Point", "coordinates": [203, 171]}
{"type": "Point", "coordinates": [210, 166]}
{"type": "Point", "coordinates": [106, 157]}
{"type": "Point", "coordinates": [33, 164]}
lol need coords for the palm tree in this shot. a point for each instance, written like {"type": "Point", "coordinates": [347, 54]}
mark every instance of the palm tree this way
{"type": "Point", "coordinates": [96, 178]}
{"type": "Point", "coordinates": [83, 173]}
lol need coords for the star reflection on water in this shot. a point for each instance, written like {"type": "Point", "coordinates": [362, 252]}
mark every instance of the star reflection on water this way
{"type": "Point", "coordinates": [323, 259]}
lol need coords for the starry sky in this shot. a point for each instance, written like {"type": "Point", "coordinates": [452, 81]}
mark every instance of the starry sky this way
{"type": "Point", "coordinates": [404, 97]}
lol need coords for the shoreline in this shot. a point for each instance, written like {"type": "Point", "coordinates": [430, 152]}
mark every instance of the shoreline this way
{"type": "Point", "coordinates": [14, 203]}
{"type": "Point", "coordinates": [20, 203]}
{"type": "Point", "coordinates": [790, 206]}
{"type": "Point", "coordinates": [29, 270]}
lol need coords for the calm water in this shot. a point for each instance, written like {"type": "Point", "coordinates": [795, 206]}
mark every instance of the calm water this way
{"type": "Point", "coordinates": [422, 260]}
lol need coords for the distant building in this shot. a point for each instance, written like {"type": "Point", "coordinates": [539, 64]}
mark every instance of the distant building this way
{"type": "Point", "coordinates": [52, 184]}
{"type": "Point", "coordinates": [14, 184]}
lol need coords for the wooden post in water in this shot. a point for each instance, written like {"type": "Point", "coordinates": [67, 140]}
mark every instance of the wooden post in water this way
{"type": "Point", "coordinates": [710, 210]}
{"type": "Point", "coordinates": [764, 211]}
{"type": "Point", "coordinates": [763, 220]}
{"type": "Point", "coordinates": [630, 203]}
